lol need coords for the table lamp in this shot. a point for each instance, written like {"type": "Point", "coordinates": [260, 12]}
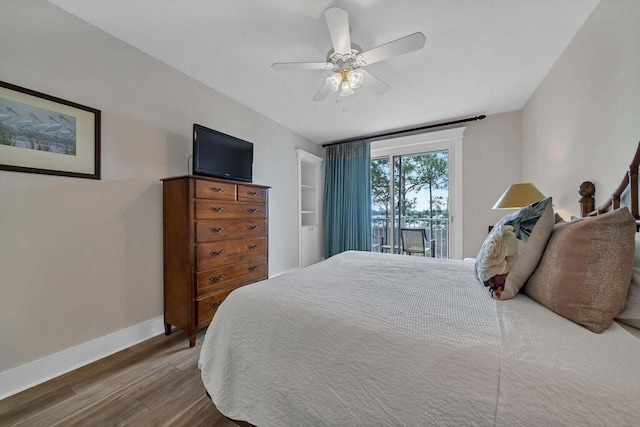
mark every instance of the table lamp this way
{"type": "Point", "coordinates": [518, 196]}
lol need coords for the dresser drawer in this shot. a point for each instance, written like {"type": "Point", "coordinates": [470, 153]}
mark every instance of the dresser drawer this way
{"type": "Point", "coordinates": [210, 209]}
{"type": "Point", "coordinates": [215, 190]}
{"type": "Point", "coordinates": [209, 231]}
{"type": "Point", "coordinates": [207, 307]}
{"type": "Point", "coordinates": [251, 194]}
{"type": "Point", "coordinates": [222, 277]}
{"type": "Point", "coordinates": [211, 255]}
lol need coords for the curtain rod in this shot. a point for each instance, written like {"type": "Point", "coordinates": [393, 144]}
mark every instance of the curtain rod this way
{"type": "Point", "coordinates": [382, 135]}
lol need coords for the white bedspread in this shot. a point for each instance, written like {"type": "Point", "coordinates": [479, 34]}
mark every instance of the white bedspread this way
{"type": "Point", "coordinates": [554, 372]}
{"type": "Point", "coordinates": [367, 339]}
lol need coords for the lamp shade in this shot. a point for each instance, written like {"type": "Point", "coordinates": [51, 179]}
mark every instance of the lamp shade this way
{"type": "Point", "coordinates": [346, 89]}
{"type": "Point", "coordinates": [333, 82]}
{"type": "Point", "coordinates": [518, 196]}
{"type": "Point", "coordinates": [355, 79]}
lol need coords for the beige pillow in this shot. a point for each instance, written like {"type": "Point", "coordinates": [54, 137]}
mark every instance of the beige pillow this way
{"type": "Point", "coordinates": [585, 271]}
{"type": "Point", "coordinates": [631, 313]}
{"type": "Point", "coordinates": [513, 249]}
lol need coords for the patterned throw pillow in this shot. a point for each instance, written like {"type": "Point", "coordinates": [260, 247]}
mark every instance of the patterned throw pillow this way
{"type": "Point", "coordinates": [512, 250]}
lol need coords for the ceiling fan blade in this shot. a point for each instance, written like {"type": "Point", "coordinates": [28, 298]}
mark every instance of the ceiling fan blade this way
{"type": "Point", "coordinates": [372, 82]}
{"type": "Point", "coordinates": [322, 93]}
{"type": "Point", "coordinates": [406, 44]}
{"type": "Point", "coordinates": [279, 66]}
{"type": "Point", "coordinates": [338, 23]}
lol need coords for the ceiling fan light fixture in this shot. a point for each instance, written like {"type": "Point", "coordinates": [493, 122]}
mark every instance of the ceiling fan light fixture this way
{"type": "Point", "coordinates": [347, 60]}
{"type": "Point", "coordinates": [333, 82]}
{"type": "Point", "coordinates": [346, 89]}
{"type": "Point", "coordinates": [355, 78]}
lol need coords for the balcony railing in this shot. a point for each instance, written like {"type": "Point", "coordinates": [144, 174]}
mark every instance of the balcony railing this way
{"type": "Point", "coordinates": [437, 229]}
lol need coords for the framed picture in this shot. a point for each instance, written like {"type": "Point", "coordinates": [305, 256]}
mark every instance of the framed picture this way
{"type": "Point", "coordinates": [43, 134]}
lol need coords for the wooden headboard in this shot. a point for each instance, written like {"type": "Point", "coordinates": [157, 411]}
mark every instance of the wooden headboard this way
{"type": "Point", "coordinates": [629, 181]}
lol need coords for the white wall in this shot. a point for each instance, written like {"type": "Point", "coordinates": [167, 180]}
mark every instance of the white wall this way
{"type": "Point", "coordinates": [79, 258]}
{"type": "Point", "coordinates": [583, 121]}
{"type": "Point", "coordinates": [492, 160]}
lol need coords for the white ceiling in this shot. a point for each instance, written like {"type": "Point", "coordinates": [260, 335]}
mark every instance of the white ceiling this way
{"type": "Point", "coordinates": [481, 56]}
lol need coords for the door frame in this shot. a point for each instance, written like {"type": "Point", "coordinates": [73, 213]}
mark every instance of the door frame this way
{"type": "Point", "coordinates": [451, 140]}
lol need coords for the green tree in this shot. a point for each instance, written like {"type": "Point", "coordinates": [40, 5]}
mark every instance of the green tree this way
{"type": "Point", "coordinates": [380, 198]}
{"type": "Point", "coordinates": [430, 171]}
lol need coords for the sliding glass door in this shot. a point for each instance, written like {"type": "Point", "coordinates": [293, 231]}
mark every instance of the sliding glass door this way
{"type": "Point", "coordinates": [411, 191]}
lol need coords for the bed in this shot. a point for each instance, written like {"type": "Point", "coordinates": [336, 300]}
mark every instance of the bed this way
{"type": "Point", "coordinates": [377, 339]}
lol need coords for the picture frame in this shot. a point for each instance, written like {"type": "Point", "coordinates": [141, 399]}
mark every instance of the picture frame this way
{"type": "Point", "coordinates": [43, 134]}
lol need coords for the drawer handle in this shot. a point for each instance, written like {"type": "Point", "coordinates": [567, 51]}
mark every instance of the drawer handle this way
{"type": "Point", "coordinates": [213, 304]}
{"type": "Point", "coordinates": [253, 247]}
{"type": "Point", "coordinates": [214, 253]}
{"type": "Point", "coordinates": [252, 193]}
{"type": "Point", "coordinates": [217, 189]}
{"type": "Point", "coordinates": [253, 227]}
{"type": "Point", "coordinates": [216, 209]}
{"type": "Point", "coordinates": [216, 278]}
{"type": "Point", "coordinates": [252, 210]}
{"type": "Point", "coordinates": [254, 268]}
{"type": "Point", "coordinates": [216, 230]}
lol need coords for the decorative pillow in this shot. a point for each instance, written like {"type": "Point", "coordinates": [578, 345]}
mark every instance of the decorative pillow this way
{"type": "Point", "coordinates": [585, 271]}
{"type": "Point", "coordinates": [631, 313]}
{"type": "Point", "coordinates": [513, 249]}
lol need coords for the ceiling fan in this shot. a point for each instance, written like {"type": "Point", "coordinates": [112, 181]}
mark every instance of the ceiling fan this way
{"type": "Point", "coordinates": [347, 61]}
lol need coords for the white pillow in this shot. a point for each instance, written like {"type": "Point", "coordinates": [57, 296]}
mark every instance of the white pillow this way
{"type": "Point", "coordinates": [513, 249]}
{"type": "Point", "coordinates": [631, 313]}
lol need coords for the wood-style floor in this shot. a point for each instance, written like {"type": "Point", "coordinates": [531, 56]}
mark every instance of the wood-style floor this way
{"type": "Point", "coordinates": [154, 383]}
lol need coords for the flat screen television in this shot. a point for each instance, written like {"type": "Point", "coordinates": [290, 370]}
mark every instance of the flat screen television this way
{"type": "Point", "coordinates": [220, 155]}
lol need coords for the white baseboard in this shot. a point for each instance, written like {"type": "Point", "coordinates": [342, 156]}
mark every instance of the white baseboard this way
{"type": "Point", "coordinates": [31, 374]}
{"type": "Point", "coordinates": [23, 377]}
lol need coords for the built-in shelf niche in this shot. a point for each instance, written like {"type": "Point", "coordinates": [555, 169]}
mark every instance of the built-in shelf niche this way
{"type": "Point", "coordinates": [309, 207]}
{"type": "Point", "coordinates": [308, 199]}
{"type": "Point", "coordinates": [308, 174]}
{"type": "Point", "coordinates": [309, 219]}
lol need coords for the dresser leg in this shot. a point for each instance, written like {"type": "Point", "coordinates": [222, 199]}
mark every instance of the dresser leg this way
{"type": "Point", "coordinates": [192, 340]}
{"type": "Point", "coordinates": [167, 329]}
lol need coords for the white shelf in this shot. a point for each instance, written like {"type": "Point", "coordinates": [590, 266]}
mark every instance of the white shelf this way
{"type": "Point", "coordinates": [309, 220]}
{"type": "Point", "coordinates": [309, 207]}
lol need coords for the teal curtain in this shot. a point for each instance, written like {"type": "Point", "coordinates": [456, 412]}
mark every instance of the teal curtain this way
{"type": "Point", "coordinates": [347, 198]}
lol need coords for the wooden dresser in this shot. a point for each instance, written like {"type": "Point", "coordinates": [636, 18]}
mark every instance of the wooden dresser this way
{"type": "Point", "coordinates": [215, 240]}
